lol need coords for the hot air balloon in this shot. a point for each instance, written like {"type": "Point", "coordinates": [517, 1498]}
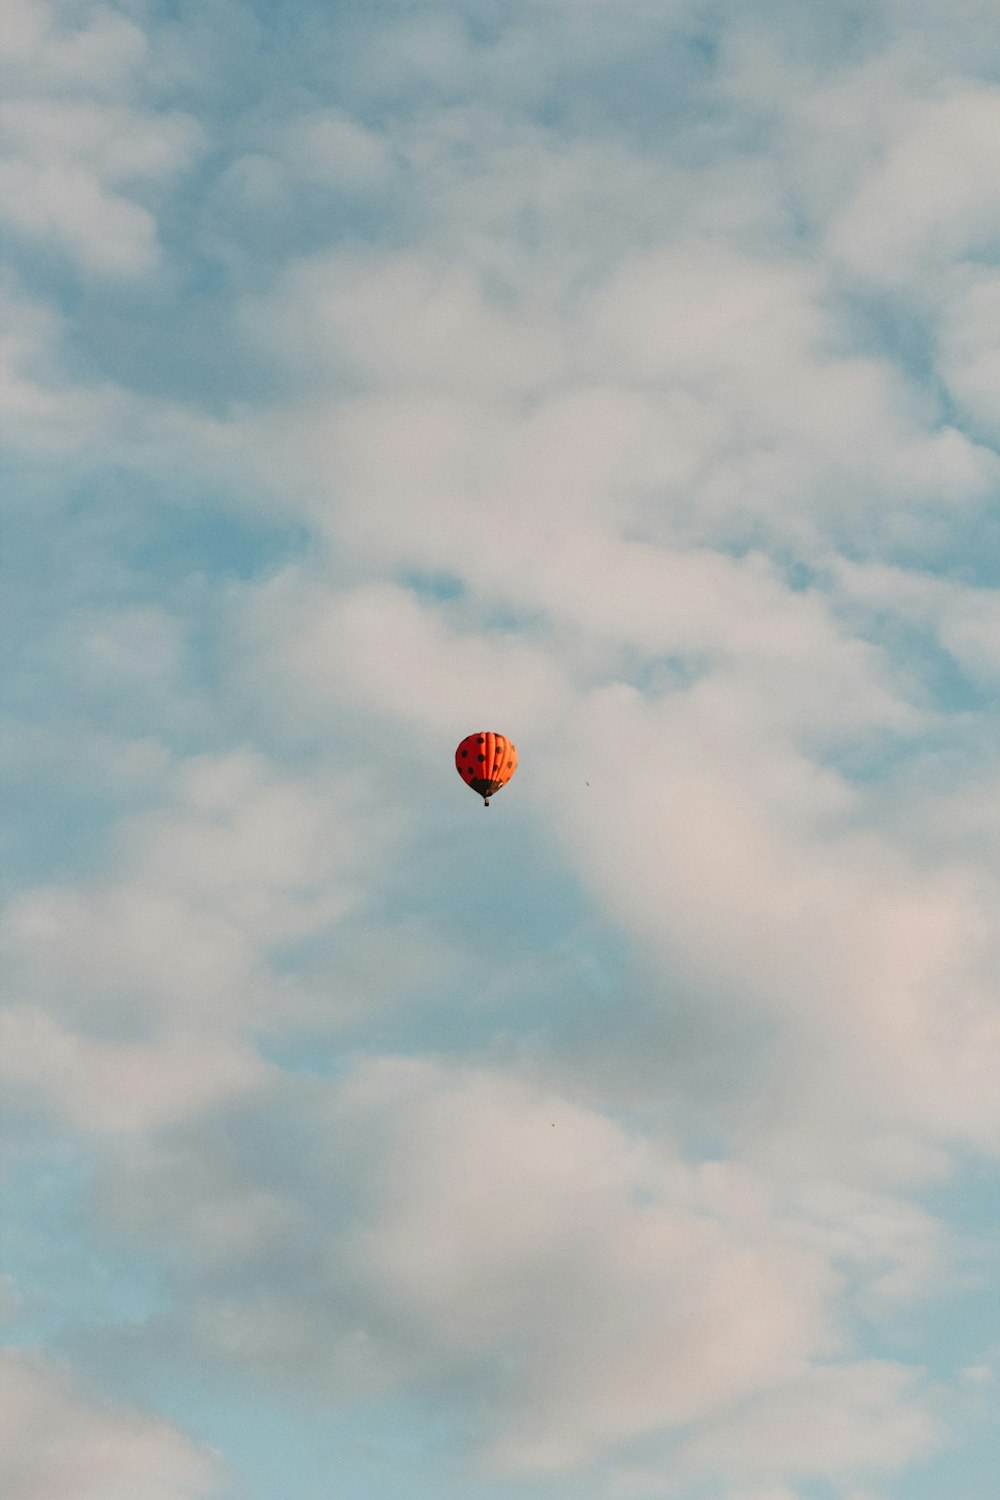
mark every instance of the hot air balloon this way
{"type": "Point", "coordinates": [486, 762]}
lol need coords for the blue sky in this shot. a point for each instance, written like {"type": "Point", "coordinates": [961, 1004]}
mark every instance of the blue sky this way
{"type": "Point", "coordinates": [623, 378]}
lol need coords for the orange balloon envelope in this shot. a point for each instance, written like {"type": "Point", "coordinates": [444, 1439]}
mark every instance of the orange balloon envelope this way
{"type": "Point", "coordinates": [486, 762]}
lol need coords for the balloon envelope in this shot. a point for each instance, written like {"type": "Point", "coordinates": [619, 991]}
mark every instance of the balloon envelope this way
{"type": "Point", "coordinates": [486, 762]}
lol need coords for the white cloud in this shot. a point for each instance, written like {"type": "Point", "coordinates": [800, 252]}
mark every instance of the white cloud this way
{"type": "Point", "coordinates": [40, 42]}
{"type": "Point", "coordinates": [895, 1250]}
{"type": "Point", "coordinates": [402, 320]}
{"type": "Point", "coordinates": [329, 148]}
{"type": "Point", "coordinates": [517, 1227]}
{"type": "Point", "coordinates": [836, 1421]}
{"type": "Point", "coordinates": [59, 182]}
{"type": "Point", "coordinates": [698, 397]}
{"type": "Point", "coordinates": [506, 1235]}
{"type": "Point", "coordinates": [377, 646]}
{"type": "Point", "coordinates": [57, 1443]}
{"type": "Point", "coordinates": [963, 619]}
{"type": "Point", "coordinates": [694, 311]}
{"type": "Point", "coordinates": [28, 332]}
{"type": "Point", "coordinates": [500, 1234]}
{"type": "Point", "coordinates": [236, 856]}
{"type": "Point", "coordinates": [75, 151]}
{"type": "Point", "coordinates": [321, 157]}
{"type": "Point", "coordinates": [765, 1492]}
{"type": "Point", "coordinates": [114, 1085]}
{"type": "Point", "coordinates": [129, 998]}
{"type": "Point", "coordinates": [752, 871]}
{"type": "Point", "coordinates": [933, 197]}
{"type": "Point", "coordinates": [970, 349]}
{"type": "Point", "coordinates": [41, 410]}
{"type": "Point", "coordinates": [52, 414]}
{"type": "Point", "coordinates": [970, 631]}
{"type": "Point", "coordinates": [805, 432]}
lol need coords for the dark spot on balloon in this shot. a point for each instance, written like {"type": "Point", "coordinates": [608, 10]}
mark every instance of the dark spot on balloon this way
{"type": "Point", "coordinates": [482, 757]}
{"type": "Point", "coordinates": [464, 754]}
{"type": "Point", "coordinates": [482, 739]}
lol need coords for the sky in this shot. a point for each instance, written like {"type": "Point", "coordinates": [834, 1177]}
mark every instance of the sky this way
{"type": "Point", "coordinates": [623, 378]}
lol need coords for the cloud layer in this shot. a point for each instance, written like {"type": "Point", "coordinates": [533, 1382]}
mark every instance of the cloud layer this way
{"type": "Point", "coordinates": [622, 379]}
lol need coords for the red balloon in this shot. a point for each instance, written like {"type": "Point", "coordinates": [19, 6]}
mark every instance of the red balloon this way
{"type": "Point", "coordinates": [486, 762]}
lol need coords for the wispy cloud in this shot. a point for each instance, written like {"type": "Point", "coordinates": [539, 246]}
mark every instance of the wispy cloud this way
{"type": "Point", "coordinates": [59, 1441]}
